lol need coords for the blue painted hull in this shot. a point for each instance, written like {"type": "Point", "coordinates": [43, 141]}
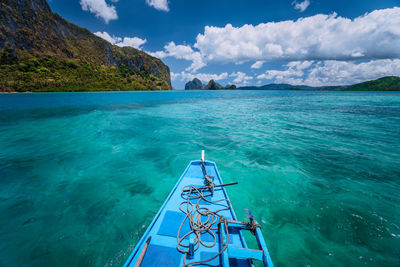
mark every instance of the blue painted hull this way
{"type": "Point", "coordinates": [162, 250]}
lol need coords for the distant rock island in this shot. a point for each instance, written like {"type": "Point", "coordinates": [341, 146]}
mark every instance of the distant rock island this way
{"type": "Point", "coordinates": [41, 51]}
{"type": "Point", "coordinates": [212, 85]}
{"type": "Point", "coordinates": [196, 84]}
{"type": "Point", "coordinates": [389, 83]}
{"type": "Point", "coordinates": [231, 87]}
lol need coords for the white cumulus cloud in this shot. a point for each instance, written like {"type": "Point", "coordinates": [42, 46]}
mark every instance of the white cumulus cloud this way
{"type": "Point", "coordinates": [107, 37]}
{"type": "Point", "coordinates": [375, 35]}
{"type": "Point", "coordinates": [135, 42]}
{"type": "Point", "coordinates": [181, 52]}
{"type": "Point", "coordinates": [159, 4]}
{"type": "Point", "coordinates": [302, 6]}
{"type": "Point", "coordinates": [240, 78]}
{"type": "Point", "coordinates": [100, 8]}
{"type": "Point", "coordinates": [257, 65]}
{"type": "Point", "coordinates": [332, 72]}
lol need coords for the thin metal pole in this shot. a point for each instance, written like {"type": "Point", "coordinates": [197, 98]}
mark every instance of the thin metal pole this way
{"type": "Point", "coordinates": [217, 185]}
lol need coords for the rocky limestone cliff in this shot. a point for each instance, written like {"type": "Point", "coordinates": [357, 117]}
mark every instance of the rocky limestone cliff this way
{"type": "Point", "coordinates": [42, 51]}
{"type": "Point", "coordinates": [212, 85]}
{"type": "Point", "coordinates": [195, 84]}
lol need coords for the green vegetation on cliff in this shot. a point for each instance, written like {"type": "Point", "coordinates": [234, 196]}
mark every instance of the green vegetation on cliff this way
{"type": "Point", "coordinates": [49, 73]}
{"type": "Point", "coordinates": [389, 83]}
{"type": "Point", "coordinates": [40, 51]}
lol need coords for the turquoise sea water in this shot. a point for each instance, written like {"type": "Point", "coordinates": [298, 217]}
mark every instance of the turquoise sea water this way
{"type": "Point", "coordinates": [83, 174]}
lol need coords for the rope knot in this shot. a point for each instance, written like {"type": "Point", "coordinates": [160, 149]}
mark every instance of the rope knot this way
{"type": "Point", "coordinates": [253, 226]}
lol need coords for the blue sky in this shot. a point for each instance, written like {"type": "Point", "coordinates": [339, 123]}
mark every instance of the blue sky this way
{"type": "Point", "coordinates": [252, 42]}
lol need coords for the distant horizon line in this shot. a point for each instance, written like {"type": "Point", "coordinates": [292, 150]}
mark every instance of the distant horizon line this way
{"type": "Point", "coordinates": [293, 85]}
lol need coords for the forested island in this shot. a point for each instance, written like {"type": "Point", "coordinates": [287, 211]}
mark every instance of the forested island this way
{"type": "Point", "coordinates": [389, 83]}
{"type": "Point", "coordinates": [41, 51]}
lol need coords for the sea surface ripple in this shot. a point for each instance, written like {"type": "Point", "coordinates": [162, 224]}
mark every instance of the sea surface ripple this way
{"type": "Point", "coordinates": [83, 174]}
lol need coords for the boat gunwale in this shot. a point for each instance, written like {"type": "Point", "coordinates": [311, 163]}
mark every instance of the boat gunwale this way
{"type": "Point", "coordinates": [151, 225]}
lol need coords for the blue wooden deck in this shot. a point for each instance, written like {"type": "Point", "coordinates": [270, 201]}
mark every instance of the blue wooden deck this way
{"type": "Point", "coordinates": [163, 229]}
